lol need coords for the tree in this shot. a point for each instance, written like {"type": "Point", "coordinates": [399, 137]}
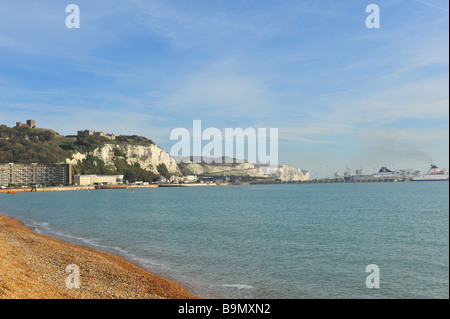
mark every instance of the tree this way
{"type": "Point", "coordinates": [162, 169]}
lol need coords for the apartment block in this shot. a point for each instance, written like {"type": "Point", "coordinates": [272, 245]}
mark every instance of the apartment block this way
{"type": "Point", "coordinates": [31, 174]}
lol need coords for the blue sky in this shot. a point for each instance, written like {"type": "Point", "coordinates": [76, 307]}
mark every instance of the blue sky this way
{"type": "Point", "coordinates": [340, 94]}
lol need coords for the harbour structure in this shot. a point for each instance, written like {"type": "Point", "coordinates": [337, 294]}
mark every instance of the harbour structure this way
{"type": "Point", "coordinates": [85, 180]}
{"type": "Point", "coordinates": [36, 173]}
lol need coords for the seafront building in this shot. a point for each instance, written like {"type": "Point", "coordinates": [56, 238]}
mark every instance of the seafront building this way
{"type": "Point", "coordinates": [85, 180]}
{"type": "Point", "coordinates": [32, 174]}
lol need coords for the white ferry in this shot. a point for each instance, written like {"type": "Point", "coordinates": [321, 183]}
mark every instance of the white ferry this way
{"type": "Point", "coordinates": [384, 172]}
{"type": "Point", "coordinates": [434, 174]}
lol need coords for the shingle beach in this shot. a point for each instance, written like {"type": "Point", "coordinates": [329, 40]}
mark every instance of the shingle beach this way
{"type": "Point", "coordinates": [33, 266]}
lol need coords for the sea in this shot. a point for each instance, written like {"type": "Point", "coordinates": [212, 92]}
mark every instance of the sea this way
{"type": "Point", "coordinates": [288, 241]}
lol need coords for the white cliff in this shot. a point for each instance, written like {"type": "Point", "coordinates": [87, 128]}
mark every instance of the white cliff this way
{"type": "Point", "coordinates": [284, 173]}
{"type": "Point", "coordinates": [148, 156]}
{"type": "Point", "coordinates": [288, 173]}
{"type": "Point", "coordinates": [75, 158]}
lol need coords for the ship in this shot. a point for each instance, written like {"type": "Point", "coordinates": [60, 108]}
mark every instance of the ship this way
{"type": "Point", "coordinates": [384, 172]}
{"type": "Point", "coordinates": [434, 174]}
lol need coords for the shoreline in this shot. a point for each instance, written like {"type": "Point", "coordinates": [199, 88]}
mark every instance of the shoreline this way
{"type": "Point", "coordinates": [33, 266]}
{"type": "Point", "coordinates": [93, 187]}
{"type": "Point", "coordinates": [15, 190]}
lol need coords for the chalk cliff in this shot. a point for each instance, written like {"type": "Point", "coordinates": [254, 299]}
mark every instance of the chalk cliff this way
{"type": "Point", "coordinates": [148, 156]}
{"type": "Point", "coordinates": [284, 173]}
{"type": "Point", "coordinates": [289, 173]}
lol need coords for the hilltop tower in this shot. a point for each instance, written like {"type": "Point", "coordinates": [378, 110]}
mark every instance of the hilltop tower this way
{"type": "Point", "coordinates": [30, 124]}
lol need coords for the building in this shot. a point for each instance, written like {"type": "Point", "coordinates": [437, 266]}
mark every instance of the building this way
{"type": "Point", "coordinates": [85, 133]}
{"type": "Point", "coordinates": [84, 180]}
{"type": "Point", "coordinates": [30, 124]}
{"type": "Point", "coordinates": [175, 179]}
{"type": "Point", "coordinates": [91, 133]}
{"type": "Point", "coordinates": [190, 178]}
{"type": "Point", "coordinates": [32, 174]}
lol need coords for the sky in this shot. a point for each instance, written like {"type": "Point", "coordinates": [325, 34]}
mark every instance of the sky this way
{"type": "Point", "coordinates": [341, 95]}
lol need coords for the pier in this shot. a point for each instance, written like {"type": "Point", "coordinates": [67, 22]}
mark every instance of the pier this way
{"type": "Point", "coordinates": [353, 179]}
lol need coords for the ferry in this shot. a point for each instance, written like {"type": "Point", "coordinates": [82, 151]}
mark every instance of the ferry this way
{"type": "Point", "coordinates": [434, 174]}
{"type": "Point", "coordinates": [384, 172]}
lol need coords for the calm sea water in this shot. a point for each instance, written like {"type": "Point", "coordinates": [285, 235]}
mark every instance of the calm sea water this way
{"type": "Point", "coordinates": [263, 241]}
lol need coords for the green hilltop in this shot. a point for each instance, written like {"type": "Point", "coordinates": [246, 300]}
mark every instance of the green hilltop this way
{"type": "Point", "coordinates": [37, 145]}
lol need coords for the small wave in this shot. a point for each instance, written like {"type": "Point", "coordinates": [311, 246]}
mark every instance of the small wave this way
{"type": "Point", "coordinates": [38, 227]}
{"type": "Point", "coordinates": [120, 250]}
{"type": "Point", "coordinates": [42, 224]}
{"type": "Point", "coordinates": [147, 262]}
{"type": "Point", "coordinates": [95, 243]}
{"type": "Point", "coordinates": [45, 229]}
{"type": "Point", "coordinates": [238, 286]}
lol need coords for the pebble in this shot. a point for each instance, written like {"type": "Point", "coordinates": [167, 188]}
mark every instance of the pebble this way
{"type": "Point", "coordinates": [33, 266]}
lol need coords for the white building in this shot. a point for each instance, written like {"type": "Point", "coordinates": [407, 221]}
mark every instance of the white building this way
{"type": "Point", "coordinates": [82, 180]}
{"type": "Point", "coordinates": [191, 178]}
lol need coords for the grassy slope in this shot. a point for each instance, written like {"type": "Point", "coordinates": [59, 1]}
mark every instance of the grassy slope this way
{"type": "Point", "coordinates": [25, 145]}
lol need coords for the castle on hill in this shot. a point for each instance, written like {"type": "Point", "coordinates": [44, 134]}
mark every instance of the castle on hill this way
{"type": "Point", "coordinates": [30, 124]}
{"type": "Point", "coordinates": [91, 133]}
